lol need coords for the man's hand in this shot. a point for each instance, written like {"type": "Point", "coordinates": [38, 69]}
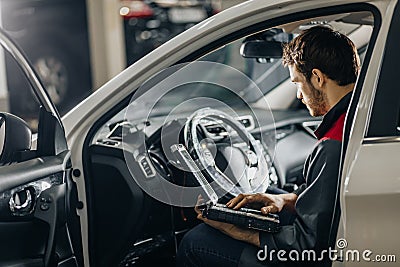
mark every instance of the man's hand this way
{"type": "Point", "coordinates": [269, 203]}
{"type": "Point", "coordinates": [246, 235]}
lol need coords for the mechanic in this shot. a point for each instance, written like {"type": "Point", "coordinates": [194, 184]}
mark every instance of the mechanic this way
{"type": "Point", "coordinates": [324, 65]}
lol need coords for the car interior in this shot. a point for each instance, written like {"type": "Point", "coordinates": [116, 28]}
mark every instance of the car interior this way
{"type": "Point", "coordinates": [131, 167]}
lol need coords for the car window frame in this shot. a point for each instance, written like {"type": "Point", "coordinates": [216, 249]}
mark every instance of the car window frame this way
{"type": "Point", "coordinates": [384, 121]}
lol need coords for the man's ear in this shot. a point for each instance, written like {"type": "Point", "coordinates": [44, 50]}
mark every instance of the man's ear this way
{"type": "Point", "coordinates": [318, 78]}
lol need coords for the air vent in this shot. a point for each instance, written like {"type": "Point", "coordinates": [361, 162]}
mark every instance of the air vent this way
{"type": "Point", "coordinates": [284, 131]}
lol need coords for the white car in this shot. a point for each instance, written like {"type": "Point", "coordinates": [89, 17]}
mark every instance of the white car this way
{"type": "Point", "coordinates": [102, 186]}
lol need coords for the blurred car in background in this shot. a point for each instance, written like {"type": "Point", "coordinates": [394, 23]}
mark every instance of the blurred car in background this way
{"type": "Point", "coordinates": [54, 36]}
{"type": "Point", "coordinates": [149, 24]}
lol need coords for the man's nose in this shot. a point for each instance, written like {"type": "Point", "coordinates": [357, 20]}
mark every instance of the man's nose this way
{"type": "Point", "coordinates": [299, 94]}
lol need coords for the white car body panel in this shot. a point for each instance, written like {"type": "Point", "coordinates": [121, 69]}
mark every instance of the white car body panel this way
{"type": "Point", "coordinates": [360, 216]}
{"type": "Point", "coordinates": [371, 202]}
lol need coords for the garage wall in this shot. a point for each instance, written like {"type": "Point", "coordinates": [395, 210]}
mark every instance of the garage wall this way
{"type": "Point", "coordinates": [106, 40]}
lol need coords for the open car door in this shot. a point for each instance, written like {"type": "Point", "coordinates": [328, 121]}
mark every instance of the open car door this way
{"type": "Point", "coordinates": [36, 193]}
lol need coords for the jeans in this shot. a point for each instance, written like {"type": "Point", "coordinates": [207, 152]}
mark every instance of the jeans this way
{"type": "Point", "coordinates": [206, 246]}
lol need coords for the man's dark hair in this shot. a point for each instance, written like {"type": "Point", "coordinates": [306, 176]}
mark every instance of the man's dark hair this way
{"type": "Point", "coordinates": [322, 48]}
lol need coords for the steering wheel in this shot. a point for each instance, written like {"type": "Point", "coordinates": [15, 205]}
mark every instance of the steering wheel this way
{"type": "Point", "coordinates": [213, 136]}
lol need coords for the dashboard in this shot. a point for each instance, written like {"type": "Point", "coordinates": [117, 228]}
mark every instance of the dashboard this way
{"type": "Point", "coordinates": [287, 137]}
{"type": "Point", "coordinates": [149, 225]}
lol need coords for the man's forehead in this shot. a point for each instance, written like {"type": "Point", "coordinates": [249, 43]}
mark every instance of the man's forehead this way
{"type": "Point", "coordinates": [294, 73]}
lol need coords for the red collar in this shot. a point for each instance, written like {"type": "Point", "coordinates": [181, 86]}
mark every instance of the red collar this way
{"type": "Point", "coordinates": [332, 124]}
{"type": "Point", "coordinates": [336, 131]}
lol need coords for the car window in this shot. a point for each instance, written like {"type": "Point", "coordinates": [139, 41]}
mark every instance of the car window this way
{"type": "Point", "coordinates": [267, 74]}
{"type": "Point", "coordinates": [270, 76]}
{"type": "Point", "coordinates": [385, 115]}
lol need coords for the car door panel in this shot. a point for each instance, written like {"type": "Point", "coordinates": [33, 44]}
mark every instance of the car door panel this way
{"type": "Point", "coordinates": [36, 213]}
{"type": "Point", "coordinates": [32, 209]}
{"type": "Point", "coordinates": [29, 237]}
{"type": "Point", "coordinates": [371, 185]}
{"type": "Point", "coordinates": [28, 171]}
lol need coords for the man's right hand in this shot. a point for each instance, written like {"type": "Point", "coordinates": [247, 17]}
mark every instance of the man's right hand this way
{"type": "Point", "coordinates": [269, 203]}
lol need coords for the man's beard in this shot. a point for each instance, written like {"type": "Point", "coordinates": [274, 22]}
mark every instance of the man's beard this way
{"type": "Point", "coordinates": [317, 104]}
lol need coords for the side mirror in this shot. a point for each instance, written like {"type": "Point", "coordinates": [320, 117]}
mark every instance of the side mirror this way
{"type": "Point", "coordinates": [15, 137]}
{"type": "Point", "coordinates": [261, 49]}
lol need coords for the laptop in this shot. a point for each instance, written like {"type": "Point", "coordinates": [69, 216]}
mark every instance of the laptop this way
{"type": "Point", "coordinates": [244, 217]}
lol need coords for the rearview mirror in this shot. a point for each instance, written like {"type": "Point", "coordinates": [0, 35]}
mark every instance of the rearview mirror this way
{"type": "Point", "coordinates": [15, 137]}
{"type": "Point", "coordinates": [261, 49]}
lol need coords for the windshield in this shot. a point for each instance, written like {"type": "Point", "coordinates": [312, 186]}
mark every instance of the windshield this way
{"type": "Point", "coordinates": [233, 81]}
{"type": "Point", "coordinates": [241, 84]}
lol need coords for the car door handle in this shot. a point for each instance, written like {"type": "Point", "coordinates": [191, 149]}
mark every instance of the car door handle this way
{"type": "Point", "coordinates": [21, 202]}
